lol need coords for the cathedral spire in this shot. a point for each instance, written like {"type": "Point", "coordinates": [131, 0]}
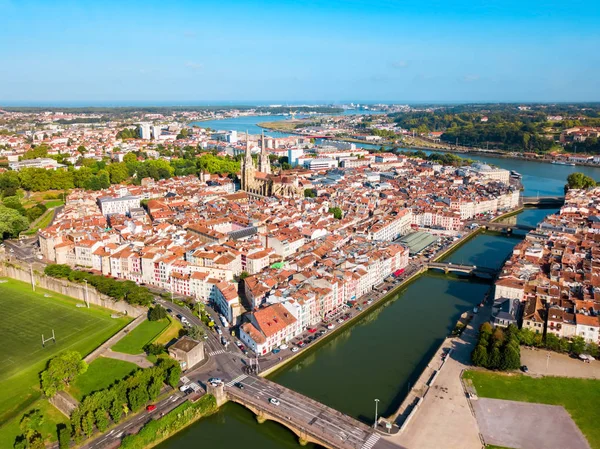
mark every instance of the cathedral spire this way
{"type": "Point", "coordinates": [264, 163]}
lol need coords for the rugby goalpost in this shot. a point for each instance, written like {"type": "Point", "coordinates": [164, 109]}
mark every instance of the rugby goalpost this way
{"type": "Point", "coordinates": [46, 340]}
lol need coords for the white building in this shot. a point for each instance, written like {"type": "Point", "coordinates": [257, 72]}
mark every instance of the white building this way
{"type": "Point", "coordinates": [122, 205]}
{"type": "Point", "coordinates": [145, 131]}
{"type": "Point", "coordinates": [293, 155]}
{"type": "Point", "coordinates": [319, 163]}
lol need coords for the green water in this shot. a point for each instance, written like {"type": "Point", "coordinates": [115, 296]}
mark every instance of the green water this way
{"type": "Point", "coordinates": [378, 357]}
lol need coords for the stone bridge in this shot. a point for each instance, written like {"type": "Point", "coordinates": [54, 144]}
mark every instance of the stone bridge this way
{"type": "Point", "coordinates": [492, 226]}
{"type": "Point", "coordinates": [474, 270]}
{"type": "Point", "coordinates": [543, 200]}
{"type": "Point", "coordinates": [310, 420]}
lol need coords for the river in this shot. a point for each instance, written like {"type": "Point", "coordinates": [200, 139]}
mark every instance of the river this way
{"type": "Point", "coordinates": [386, 350]}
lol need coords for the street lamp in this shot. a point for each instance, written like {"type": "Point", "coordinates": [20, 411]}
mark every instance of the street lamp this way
{"type": "Point", "coordinates": [375, 424]}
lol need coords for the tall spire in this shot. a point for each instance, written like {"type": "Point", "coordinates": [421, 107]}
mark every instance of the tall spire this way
{"type": "Point", "coordinates": [264, 163]}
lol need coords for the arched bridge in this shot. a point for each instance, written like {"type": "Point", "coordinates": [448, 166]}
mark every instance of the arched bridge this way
{"type": "Point", "coordinates": [474, 270]}
{"type": "Point", "coordinates": [492, 226]}
{"type": "Point", "coordinates": [310, 420]}
{"type": "Point", "coordinates": [543, 200]}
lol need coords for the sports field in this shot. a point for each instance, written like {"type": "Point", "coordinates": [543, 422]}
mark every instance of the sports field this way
{"type": "Point", "coordinates": [26, 315]}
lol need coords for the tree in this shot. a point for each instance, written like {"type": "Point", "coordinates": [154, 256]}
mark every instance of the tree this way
{"type": "Point", "coordinates": [30, 425]}
{"type": "Point", "coordinates": [578, 180]}
{"type": "Point", "coordinates": [578, 345]}
{"type": "Point", "coordinates": [154, 349]}
{"type": "Point", "coordinates": [87, 423]}
{"type": "Point", "coordinates": [13, 202]}
{"type": "Point", "coordinates": [61, 370]}
{"type": "Point", "coordinates": [101, 419]}
{"type": "Point", "coordinates": [511, 357]}
{"type": "Point", "coordinates": [479, 357]}
{"type": "Point", "coordinates": [64, 435]}
{"type": "Point", "coordinates": [337, 212]}
{"type": "Point", "coordinates": [154, 388]}
{"type": "Point", "coordinates": [11, 222]}
{"type": "Point", "coordinates": [137, 397]}
{"type": "Point", "coordinates": [118, 172]}
{"type": "Point", "coordinates": [116, 410]}
{"type": "Point", "coordinates": [244, 275]}
{"type": "Point", "coordinates": [495, 359]}
{"type": "Point", "coordinates": [156, 313]}
{"type": "Point", "coordinates": [173, 370]}
{"type": "Point", "coordinates": [196, 332]}
{"type": "Point", "coordinates": [309, 193]}
{"type": "Point", "coordinates": [526, 336]}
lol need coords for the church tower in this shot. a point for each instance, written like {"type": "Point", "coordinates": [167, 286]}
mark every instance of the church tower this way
{"type": "Point", "coordinates": [247, 167]}
{"type": "Point", "coordinates": [264, 163]}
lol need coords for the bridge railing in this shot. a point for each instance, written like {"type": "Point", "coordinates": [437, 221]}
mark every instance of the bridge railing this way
{"type": "Point", "coordinates": [304, 431]}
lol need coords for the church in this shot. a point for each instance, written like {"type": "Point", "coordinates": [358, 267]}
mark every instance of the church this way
{"type": "Point", "coordinates": [260, 181]}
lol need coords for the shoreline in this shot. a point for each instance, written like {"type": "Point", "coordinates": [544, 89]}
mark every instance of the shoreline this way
{"type": "Point", "coordinates": [450, 149]}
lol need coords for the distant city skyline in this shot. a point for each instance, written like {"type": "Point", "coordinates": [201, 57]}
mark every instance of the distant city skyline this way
{"type": "Point", "coordinates": [194, 52]}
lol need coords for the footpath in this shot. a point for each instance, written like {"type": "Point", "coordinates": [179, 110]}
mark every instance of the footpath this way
{"type": "Point", "coordinates": [438, 399]}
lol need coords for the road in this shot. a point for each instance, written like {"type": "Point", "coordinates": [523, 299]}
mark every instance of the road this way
{"type": "Point", "coordinates": [306, 414]}
{"type": "Point", "coordinates": [130, 426]}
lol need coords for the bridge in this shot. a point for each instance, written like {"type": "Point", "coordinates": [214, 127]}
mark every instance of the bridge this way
{"type": "Point", "coordinates": [543, 200]}
{"type": "Point", "coordinates": [449, 267]}
{"type": "Point", "coordinates": [310, 420]}
{"type": "Point", "coordinates": [493, 226]}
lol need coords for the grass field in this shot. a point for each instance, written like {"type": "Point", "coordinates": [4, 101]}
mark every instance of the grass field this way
{"type": "Point", "coordinates": [580, 397]}
{"type": "Point", "coordinates": [101, 373]}
{"type": "Point", "coordinates": [145, 333]}
{"type": "Point", "coordinates": [170, 333]}
{"type": "Point", "coordinates": [25, 316]}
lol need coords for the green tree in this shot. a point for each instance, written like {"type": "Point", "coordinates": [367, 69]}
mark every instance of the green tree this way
{"type": "Point", "coordinates": [337, 212]}
{"type": "Point", "coordinates": [87, 423]}
{"type": "Point", "coordinates": [61, 371]}
{"type": "Point", "coordinates": [495, 359]}
{"type": "Point", "coordinates": [154, 388]}
{"type": "Point", "coordinates": [11, 222]}
{"type": "Point", "coordinates": [58, 270]}
{"type": "Point", "coordinates": [118, 172]}
{"type": "Point", "coordinates": [578, 345]}
{"type": "Point", "coordinates": [526, 336]}
{"type": "Point", "coordinates": [116, 410]}
{"type": "Point", "coordinates": [154, 349]}
{"type": "Point", "coordinates": [511, 357]}
{"type": "Point", "coordinates": [195, 332]}
{"type": "Point", "coordinates": [578, 180]}
{"type": "Point", "coordinates": [130, 158]}
{"type": "Point", "coordinates": [137, 397]}
{"type": "Point", "coordinates": [13, 202]}
{"type": "Point", "coordinates": [156, 313]}
{"type": "Point", "coordinates": [30, 425]}
{"type": "Point", "coordinates": [309, 193]}
{"type": "Point", "coordinates": [243, 275]}
{"type": "Point", "coordinates": [479, 357]}
{"type": "Point", "coordinates": [101, 419]}
{"type": "Point", "coordinates": [64, 435]}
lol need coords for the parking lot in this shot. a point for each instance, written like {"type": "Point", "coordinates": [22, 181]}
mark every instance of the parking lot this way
{"type": "Point", "coordinates": [523, 425]}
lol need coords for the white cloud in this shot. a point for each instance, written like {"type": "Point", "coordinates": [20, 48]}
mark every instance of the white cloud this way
{"type": "Point", "coordinates": [193, 65]}
{"type": "Point", "coordinates": [399, 64]}
{"type": "Point", "coordinates": [471, 78]}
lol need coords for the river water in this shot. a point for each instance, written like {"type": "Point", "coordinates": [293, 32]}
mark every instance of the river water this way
{"type": "Point", "coordinates": [386, 350]}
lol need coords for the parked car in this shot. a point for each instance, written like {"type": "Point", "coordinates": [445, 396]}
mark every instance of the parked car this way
{"type": "Point", "coordinates": [283, 346]}
{"type": "Point", "coordinates": [525, 369]}
{"type": "Point", "coordinates": [295, 349]}
{"type": "Point", "coordinates": [276, 351]}
{"type": "Point", "coordinates": [274, 401]}
{"type": "Point", "coordinates": [301, 344]}
{"type": "Point", "coordinates": [215, 380]}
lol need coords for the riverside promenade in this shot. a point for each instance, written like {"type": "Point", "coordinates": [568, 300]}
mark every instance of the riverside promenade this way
{"type": "Point", "coordinates": [438, 399]}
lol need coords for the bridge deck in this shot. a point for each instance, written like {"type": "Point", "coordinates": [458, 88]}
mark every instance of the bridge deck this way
{"type": "Point", "coordinates": [463, 268]}
{"type": "Point", "coordinates": [304, 415]}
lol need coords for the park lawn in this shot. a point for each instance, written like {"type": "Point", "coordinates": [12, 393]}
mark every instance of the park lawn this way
{"type": "Point", "coordinates": [170, 332]}
{"type": "Point", "coordinates": [101, 373]}
{"type": "Point", "coordinates": [25, 316]}
{"type": "Point", "coordinates": [139, 337]}
{"type": "Point", "coordinates": [53, 203]}
{"type": "Point", "coordinates": [52, 417]}
{"type": "Point", "coordinates": [580, 397]}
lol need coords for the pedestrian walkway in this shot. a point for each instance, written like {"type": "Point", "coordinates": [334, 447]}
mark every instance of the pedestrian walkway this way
{"type": "Point", "coordinates": [371, 441]}
{"type": "Point", "coordinates": [236, 380]}
{"type": "Point", "coordinates": [219, 351]}
{"type": "Point", "coordinates": [100, 350]}
{"type": "Point", "coordinates": [139, 359]}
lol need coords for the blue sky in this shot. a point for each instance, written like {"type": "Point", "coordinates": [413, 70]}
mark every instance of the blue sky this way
{"type": "Point", "coordinates": [288, 51]}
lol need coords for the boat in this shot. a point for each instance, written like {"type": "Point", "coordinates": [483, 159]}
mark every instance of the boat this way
{"type": "Point", "coordinates": [570, 164]}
